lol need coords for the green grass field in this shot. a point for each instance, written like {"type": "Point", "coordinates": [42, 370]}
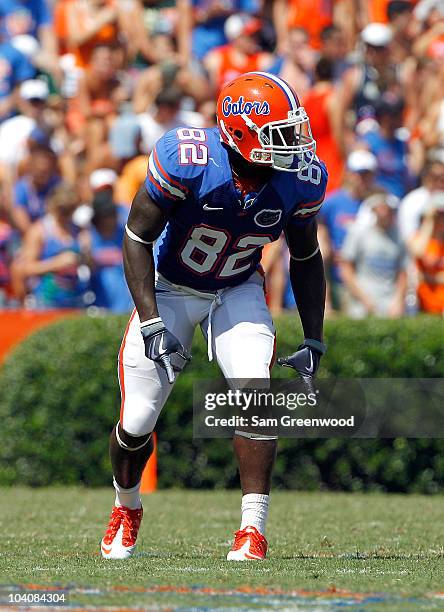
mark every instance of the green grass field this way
{"type": "Point", "coordinates": [327, 551]}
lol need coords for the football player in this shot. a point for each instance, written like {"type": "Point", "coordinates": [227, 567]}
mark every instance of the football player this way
{"type": "Point", "coordinates": [212, 199]}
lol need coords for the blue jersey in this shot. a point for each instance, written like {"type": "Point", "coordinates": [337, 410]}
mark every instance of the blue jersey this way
{"type": "Point", "coordinates": [210, 33]}
{"type": "Point", "coordinates": [31, 200]}
{"type": "Point", "coordinates": [23, 17]}
{"type": "Point", "coordinates": [61, 289]}
{"type": "Point", "coordinates": [392, 173]}
{"type": "Point", "coordinates": [338, 214]}
{"type": "Point", "coordinates": [14, 68]}
{"type": "Point", "coordinates": [108, 280]}
{"type": "Point", "coordinates": [211, 241]}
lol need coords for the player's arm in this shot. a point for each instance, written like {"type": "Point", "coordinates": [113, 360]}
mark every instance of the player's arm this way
{"type": "Point", "coordinates": [307, 277]}
{"type": "Point", "coordinates": [308, 283]}
{"type": "Point", "coordinates": [145, 224]}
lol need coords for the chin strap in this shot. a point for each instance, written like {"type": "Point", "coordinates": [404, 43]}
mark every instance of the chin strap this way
{"type": "Point", "coordinates": [282, 161]}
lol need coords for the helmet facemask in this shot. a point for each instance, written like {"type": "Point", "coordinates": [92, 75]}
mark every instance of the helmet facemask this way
{"type": "Point", "coordinates": [287, 144]}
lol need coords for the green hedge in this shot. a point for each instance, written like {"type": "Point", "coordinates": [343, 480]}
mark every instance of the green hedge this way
{"type": "Point", "coordinates": [59, 399]}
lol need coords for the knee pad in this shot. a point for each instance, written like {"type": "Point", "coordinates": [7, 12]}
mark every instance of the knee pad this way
{"type": "Point", "coordinates": [129, 442]}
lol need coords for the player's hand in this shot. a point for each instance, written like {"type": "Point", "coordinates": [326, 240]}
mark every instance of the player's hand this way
{"type": "Point", "coordinates": [305, 360]}
{"type": "Point", "coordinates": [164, 348]}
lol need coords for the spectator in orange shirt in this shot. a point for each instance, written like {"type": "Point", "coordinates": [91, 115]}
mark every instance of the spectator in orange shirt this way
{"type": "Point", "coordinates": [377, 11]}
{"type": "Point", "coordinates": [430, 14]}
{"type": "Point", "coordinates": [320, 104]}
{"type": "Point", "coordinates": [241, 54]}
{"type": "Point", "coordinates": [89, 23]}
{"type": "Point", "coordinates": [98, 99]}
{"type": "Point", "coordinates": [125, 139]}
{"type": "Point", "coordinates": [427, 247]}
{"type": "Point", "coordinates": [311, 15]}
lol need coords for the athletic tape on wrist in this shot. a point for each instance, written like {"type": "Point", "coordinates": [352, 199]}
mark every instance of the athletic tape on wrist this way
{"type": "Point", "coordinates": [315, 345]}
{"type": "Point", "coordinates": [150, 321]}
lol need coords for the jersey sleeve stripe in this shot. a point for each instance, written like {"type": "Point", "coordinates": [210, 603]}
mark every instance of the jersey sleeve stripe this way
{"type": "Point", "coordinates": [307, 213]}
{"type": "Point", "coordinates": [160, 188]}
{"type": "Point", "coordinates": [163, 184]}
{"type": "Point", "coordinates": [165, 175]}
{"type": "Point", "coordinates": [309, 208]}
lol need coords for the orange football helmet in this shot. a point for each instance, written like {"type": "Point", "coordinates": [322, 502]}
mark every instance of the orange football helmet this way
{"type": "Point", "coordinates": [259, 116]}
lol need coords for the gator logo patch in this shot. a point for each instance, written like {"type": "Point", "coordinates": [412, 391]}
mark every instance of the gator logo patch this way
{"type": "Point", "coordinates": [267, 217]}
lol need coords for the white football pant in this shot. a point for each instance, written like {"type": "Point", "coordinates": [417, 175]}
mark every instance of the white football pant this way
{"type": "Point", "coordinates": [238, 328]}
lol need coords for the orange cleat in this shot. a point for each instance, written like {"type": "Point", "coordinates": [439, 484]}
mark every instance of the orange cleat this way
{"type": "Point", "coordinates": [249, 545]}
{"type": "Point", "coordinates": [120, 538]}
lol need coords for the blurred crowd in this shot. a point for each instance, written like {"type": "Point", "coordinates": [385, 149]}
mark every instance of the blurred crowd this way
{"type": "Point", "coordinates": [88, 86]}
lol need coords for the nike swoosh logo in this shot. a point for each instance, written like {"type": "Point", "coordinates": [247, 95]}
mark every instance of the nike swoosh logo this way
{"type": "Point", "coordinates": [106, 550]}
{"type": "Point", "coordinates": [161, 348]}
{"type": "Point", "coordinates": [206, 207]}
{"type": "Point", "coordinates": [311, 367]}
{"type": "Point", "coordinates": [250, 556]}
{"type": "Point", "coordinates": [246, 551]}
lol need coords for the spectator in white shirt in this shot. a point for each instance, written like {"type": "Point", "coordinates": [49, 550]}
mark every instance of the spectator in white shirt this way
{"type": "Point", "coordinates": [373, 263]}
{"type": "Point", "coordinates": [414, 203]}
{"type": "Point", "coordinates": [14, 132]}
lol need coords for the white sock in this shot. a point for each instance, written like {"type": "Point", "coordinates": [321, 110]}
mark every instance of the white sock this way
{"type": "Point", "coordinates": [128, 497]}
{"type": "Point", "coordinates": [255, 511]}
